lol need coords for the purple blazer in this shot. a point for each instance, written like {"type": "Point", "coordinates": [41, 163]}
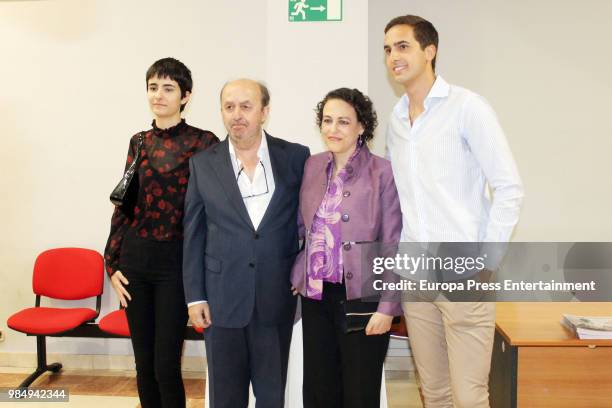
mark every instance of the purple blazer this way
{"type": "Point", "coordinates": [370, 211]}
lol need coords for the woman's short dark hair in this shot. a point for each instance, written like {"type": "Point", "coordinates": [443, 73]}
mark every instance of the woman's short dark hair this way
{"type": "Point", "coordinates": [363, 106]}
{"type": "Point", "coordinates": [175, 70]}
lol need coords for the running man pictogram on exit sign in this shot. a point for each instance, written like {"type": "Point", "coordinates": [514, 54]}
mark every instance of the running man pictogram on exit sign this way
{"type": "Point", "coordinates": [315, 10]}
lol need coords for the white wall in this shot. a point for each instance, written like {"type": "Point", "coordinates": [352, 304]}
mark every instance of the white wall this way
{"type": "Point", "coordinates": [307, 60]}
{"type": "Point", "coordinates": [74, 92]}
{"type": "Point", "coordinates": [544, 66]}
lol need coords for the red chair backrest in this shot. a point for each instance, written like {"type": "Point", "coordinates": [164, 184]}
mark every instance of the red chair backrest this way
{"type": "Point", "coordinates": [68, 273]}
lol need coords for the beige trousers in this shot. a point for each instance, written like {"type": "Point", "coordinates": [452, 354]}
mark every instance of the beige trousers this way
{"type": "Point", "coordinates": [452, 343]}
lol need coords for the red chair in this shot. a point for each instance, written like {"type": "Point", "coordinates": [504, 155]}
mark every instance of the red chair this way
{"type": "Point", "coordinates": [399, 330]}
{"type": "Point", "coordinates": [67, 274]}
{"type": "Point", "coordinates": [115, 323]}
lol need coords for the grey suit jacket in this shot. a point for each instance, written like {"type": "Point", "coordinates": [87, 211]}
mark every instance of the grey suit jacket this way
{"type": "Point", "coordinates": [236, 268]}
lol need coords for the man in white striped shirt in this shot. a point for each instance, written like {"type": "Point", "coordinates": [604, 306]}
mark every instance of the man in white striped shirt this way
{"type": "Point", "coordinates": [446, 146]}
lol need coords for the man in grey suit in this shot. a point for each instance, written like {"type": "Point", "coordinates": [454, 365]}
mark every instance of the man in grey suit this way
{"type": "Point", "coordinates": [240, 242]}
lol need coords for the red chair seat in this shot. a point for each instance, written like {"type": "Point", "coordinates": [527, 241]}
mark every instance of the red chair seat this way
{"type": "Point", "coordinates": [49, 320]}
{"type": "Point", "coordinates": [399, 330]}
{"type": "Point", "coordinates": [115, 323]}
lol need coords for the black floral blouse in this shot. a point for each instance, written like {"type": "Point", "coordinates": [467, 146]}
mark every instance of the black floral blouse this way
{"type": "Point", "coordinates": [162, 174]}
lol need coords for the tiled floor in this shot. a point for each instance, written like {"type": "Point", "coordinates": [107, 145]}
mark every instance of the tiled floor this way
{"type": "Point", "coordinates": [118, 388]}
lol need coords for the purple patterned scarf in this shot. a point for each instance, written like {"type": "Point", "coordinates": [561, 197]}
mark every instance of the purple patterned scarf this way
{"type": "Point", "coordinates": [324, 250]}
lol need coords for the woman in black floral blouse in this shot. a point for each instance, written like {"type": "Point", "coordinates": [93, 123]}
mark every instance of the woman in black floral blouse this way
{"type": "Point", "coordinates": [144, 250]}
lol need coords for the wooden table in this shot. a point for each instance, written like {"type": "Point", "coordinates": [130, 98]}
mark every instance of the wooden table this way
{"type": "Point", "coordinates": [537, 362]}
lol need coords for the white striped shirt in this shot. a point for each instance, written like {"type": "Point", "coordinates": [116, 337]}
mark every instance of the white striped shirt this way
{"type": "Point", "coordinates": [442, 164]}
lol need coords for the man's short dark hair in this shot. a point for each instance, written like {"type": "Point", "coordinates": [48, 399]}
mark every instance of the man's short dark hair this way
{"type": "Point", "coordinates": [265, 94]}
{"type": "Point", "coordinates": [424, 32]}
{"type": "Point", "coordinates": [364, 109]}
{"type": "Point", "coordinates": [175, 70]}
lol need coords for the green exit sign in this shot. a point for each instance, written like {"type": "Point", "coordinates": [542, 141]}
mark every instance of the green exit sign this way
{"type": "Point", "coordinates": [315, 10]}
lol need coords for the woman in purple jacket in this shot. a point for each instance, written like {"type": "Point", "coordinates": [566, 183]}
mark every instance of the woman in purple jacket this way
{"type": "Point", "coordinates": [349, 211]}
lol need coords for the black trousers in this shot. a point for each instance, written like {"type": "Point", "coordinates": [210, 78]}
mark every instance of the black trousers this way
{"type": "Point", "coordinates": [157, 316]}
{"type": "Point", "coordinates": [340, 370]}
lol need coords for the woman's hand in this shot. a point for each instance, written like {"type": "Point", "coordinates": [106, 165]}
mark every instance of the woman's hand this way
{"type": "Point", "coordinates": [294, 291]}
{"type": "Point", "coordinates": [118, 280]}
{"type": "Point", "coordinates": [378, 324]}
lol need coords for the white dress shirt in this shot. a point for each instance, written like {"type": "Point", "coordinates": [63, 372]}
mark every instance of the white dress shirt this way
{"type": "Point", "coordinates": [253, 192]}
{"type": "Point", "coordinates": [255, 201]}
{"type": "Point", "coordinates": [442, 164]}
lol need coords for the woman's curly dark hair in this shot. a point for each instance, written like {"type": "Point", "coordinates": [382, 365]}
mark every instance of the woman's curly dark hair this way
{"type": "Point", "coordinates": [363, 106]}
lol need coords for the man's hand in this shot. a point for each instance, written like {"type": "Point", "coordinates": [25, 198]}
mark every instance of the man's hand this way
{"type": "Point", "coordinates": [200, 315]}
{"type": "Point", "coordinates": [378, 324]}
{"type": "Point", "coordinates": [118, 280]}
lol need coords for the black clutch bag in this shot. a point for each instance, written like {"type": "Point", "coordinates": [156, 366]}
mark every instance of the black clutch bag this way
{"type": "Point", "coordinates": [358, 313]}
{"type": "Point", "coordinates": [124, 195]}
